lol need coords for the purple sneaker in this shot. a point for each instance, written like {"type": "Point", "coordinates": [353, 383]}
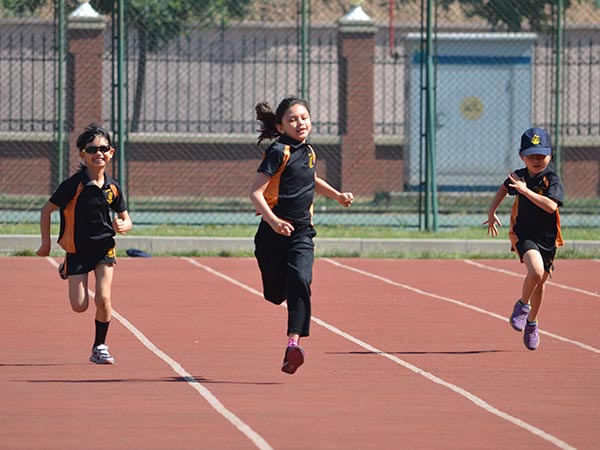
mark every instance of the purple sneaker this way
{"type": "Point", "coordinates": [294, 358]}
{"type": "Point", "coordinates": [531, 337]}
{"type": "Point", "coordinates": [518, 318]}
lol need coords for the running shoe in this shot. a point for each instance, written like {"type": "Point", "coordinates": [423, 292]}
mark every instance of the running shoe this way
{"type": "Point", "coordinates": [531, 337]}
{"type": "Point", "coordinates": [294, 358]}
{"type": "Point", "coordinates": [100, 355]}
{"type": "Point", "coordinates": [61, 271]}
{"type": "Point", "coordinates": [518, 318]}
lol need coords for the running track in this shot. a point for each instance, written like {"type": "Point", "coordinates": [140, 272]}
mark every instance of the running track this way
{"type": "Point", "coordinates": [403, 354]}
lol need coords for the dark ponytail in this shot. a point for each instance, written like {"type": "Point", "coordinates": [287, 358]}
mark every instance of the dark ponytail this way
{"type": "Point", "coordinates": [268, 120]}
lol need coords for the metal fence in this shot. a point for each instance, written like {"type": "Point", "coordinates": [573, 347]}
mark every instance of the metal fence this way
{"type": "Point", "coordinates": [214, 77]}
{"type": "Point", "coordinates": [190, 135]}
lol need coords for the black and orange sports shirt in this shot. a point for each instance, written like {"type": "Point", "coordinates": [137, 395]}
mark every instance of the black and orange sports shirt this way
{"type": "Point", "coordinates": [85, 221]}
{"type": "Point", "coordinates": [292, 167]}
{"type": "Point", "coordinates": [529, 221]}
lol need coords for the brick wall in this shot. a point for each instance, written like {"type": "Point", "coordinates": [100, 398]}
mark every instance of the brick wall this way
{"type": "Point", "coordinates": [84, 79]}
{"type": "Point", "coordinates": [581, 171]}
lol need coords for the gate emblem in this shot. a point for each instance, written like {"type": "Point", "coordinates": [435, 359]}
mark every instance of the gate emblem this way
{"type": "Point", "coordinates": [471, 108]}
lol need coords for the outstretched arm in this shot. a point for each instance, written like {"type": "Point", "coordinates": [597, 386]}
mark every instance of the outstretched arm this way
{"type": "Point", "coordinates": [492, 219]}
{"type": "Point", "coordinates": [45, 222]}
{"type": "Point", "coordinates": [322, 187]}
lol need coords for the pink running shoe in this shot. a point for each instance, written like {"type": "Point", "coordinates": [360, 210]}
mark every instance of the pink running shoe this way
{"type": "Point", "coordinates": [294, 358]}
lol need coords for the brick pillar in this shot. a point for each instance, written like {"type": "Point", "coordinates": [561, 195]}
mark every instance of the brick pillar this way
{"type": "Point", "coordinates": [84, 74]}
{"type": "Point", "coordinates": [356, 50]}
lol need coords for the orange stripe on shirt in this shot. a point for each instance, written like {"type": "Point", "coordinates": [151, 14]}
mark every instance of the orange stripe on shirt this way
{"type": "Point", "coordinates": [559, 239]}
{"type": "Point", "coordinates": [67, 239]}
{"type": "Point", "coordinates": [559, 242]}
{"type": "Point", "coordinates": [271, 193]}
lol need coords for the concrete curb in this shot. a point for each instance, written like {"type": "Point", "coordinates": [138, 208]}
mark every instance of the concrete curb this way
{"type": "Point", "coordinates": [10, 244]}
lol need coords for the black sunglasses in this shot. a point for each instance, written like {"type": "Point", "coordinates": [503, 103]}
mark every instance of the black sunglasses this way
{"type": "Point", "coordinates": [94, 148]}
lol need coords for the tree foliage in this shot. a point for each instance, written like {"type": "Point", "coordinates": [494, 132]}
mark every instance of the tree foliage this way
{"type": "Point", "coordinates": [511, 15]}
{"type": "Point", "coordinates": [163, 20]}
{"type": "Point", "coordinates": [21, 7]}
{"type": "Point", "coordinates": [159, 21]}
{"type": "Point", "coordinates": [156, 22]}
{"type": "Point", "coordinates": [506, 15]}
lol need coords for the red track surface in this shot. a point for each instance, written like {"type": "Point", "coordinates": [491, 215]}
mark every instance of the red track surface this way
{"type": "Point", "coordinates": [407, 354]}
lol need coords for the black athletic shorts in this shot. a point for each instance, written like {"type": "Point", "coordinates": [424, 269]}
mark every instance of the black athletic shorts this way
{"type": "Point", "coordinates": [547, 255]}
{"type": "Point", "coordinates": [78, 264]}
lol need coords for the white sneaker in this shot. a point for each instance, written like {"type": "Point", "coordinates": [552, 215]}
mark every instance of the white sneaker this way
{"type": "Point", "coordinates": [100, 355]}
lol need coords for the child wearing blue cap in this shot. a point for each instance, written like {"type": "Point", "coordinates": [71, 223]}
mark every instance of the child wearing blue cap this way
{"type": "Point", "coordinates": [534, 226]}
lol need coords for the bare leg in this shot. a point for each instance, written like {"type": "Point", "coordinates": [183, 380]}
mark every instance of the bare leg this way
{"type": "Point", "coordinates": [533, 286]}
{"type": "Point", "coordinates": [78, 292]}
{"type": "Point", "coordinates": [104, 277]}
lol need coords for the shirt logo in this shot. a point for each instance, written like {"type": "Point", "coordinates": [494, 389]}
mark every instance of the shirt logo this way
{"type": "Point", "coordinates": [109, 195]}
{"type": "Point", "coordinates": [311, 159]}
{"type": "Point", "coordinates": [543, 188]}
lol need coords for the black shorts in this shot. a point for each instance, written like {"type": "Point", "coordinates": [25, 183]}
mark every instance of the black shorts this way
{"type": "Point", "coordinates": [79, 264]}
{"type": "Point", "coordinates": [524, 245]}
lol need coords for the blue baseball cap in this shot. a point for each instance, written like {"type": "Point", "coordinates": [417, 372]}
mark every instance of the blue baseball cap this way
{"type": "Point", "coordinates": [535, 141]}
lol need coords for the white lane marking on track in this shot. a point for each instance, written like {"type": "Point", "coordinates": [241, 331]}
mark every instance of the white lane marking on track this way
{"type": "Point", "coordinates": [456, 302]}
{"type": "Point", "coordinates": [460, 391]}
{"type": "Point", "coordinates": [193, 382]}
{"type": "Point", "coordinates": [520, 275]}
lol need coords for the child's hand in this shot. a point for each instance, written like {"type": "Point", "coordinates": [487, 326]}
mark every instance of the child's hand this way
{"type": "Point", "coordinates": [44, 250]}
{"type": "Point", "coordinates": [491, 224]}
{"type": "Point", "coordinates": [517, 183]}
{"type": "Point", "coordinates": [345, 198]}
{"type": "Point", "coordinates": [281, 226]}
{"type": "Point", "coordinates": [119, 225]}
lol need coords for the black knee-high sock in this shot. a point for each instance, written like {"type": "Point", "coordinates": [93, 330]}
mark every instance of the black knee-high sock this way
{"type": "Point", "coordinates": [101, 331]}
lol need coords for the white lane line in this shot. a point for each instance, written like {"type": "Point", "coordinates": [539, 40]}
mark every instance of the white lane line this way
{"type": "Point", "coordinates": [520, 275]}
{"type": "Point", "coordinates": [460, 391]}
{"type": "Point", "coordinates": [213, 401]}
{"type": "Point", "coordinates": [456, 302]}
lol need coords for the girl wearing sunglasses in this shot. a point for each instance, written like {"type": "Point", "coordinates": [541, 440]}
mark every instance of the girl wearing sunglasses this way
{"type": "Point", "coordinates": [87, 231]}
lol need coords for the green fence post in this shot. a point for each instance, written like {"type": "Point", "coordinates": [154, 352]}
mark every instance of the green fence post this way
{"type": "Point", "coordinates": [61, 91]}
{"type": "Point", "coordinates": [304, 52]}
{"type": "Point", "coordinates": [431, 204]}
{"type": "Point", "coordinates": [558, 92]}
{"type": "Point", "coordinates": [121, 96]}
